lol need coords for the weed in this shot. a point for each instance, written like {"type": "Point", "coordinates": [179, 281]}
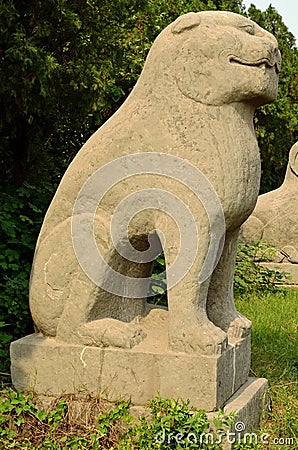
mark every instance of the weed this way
{"type": "Point", "coordinates": [174, 425]}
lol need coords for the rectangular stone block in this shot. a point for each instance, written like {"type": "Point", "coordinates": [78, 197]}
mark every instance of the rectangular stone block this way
{"type": "Point", "coordinates": [248, 403]}
{"type": "Point", "coordinates": [206, 380]}
{"type": "Point", "coordinates": [49, 367]}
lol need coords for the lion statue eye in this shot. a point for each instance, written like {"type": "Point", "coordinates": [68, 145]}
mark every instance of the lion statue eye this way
{"type": "Point", "coordinates": [249, 29]}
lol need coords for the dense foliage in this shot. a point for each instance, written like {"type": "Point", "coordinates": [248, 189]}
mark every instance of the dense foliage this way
{"type": "Point", "coordinates": [21, 215]}
{"type": "Point", "coordinates": [66, 66]}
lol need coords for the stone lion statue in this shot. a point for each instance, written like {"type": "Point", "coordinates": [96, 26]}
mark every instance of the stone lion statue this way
{"type": "Point", "coordinates": [275, 215]}
{"type": "Point", "coordinates": [195, 99]}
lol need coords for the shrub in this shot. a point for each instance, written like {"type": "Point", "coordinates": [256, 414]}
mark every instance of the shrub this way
{"type": "Point", "coordinates": [21, 216]}
{"type": "Point", "coordinates": [252, 276]}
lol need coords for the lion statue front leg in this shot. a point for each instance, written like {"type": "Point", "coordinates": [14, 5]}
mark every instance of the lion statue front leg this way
{"type": "Point", "coordinates": [220, 304]}
{"type": "Point", "coordinates": [190, 328]}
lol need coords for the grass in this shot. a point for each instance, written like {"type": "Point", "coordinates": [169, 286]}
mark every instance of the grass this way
{"type": "Point", "coordinates": [274, 333]}
{"type": "Point", "coordinates": [274, 356]}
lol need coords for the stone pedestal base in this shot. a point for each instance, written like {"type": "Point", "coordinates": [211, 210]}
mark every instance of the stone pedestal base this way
{"type": "Point", "coordinates": [49, 367]}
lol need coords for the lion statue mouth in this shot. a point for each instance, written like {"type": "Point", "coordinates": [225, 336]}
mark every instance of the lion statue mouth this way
{"type": "Point", "coordinates": [263, 63]}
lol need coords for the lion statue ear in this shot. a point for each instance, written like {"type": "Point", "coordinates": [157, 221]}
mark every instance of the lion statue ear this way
{"type": "Point", "coordinates": [186, 22]}
{"type": "Point", "coordinates": [293, 158]}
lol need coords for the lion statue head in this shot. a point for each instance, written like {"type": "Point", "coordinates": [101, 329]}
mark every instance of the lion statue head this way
{"type": "Point", "coordinates": [216, 57]}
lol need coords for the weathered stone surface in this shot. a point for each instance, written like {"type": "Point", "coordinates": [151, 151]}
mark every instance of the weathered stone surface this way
{"type": "Point", "coordinates": [275, 220]}
{"type": "Point", "coordinates": [53, 368]}
{"type": "Point", "coordinates": [204, 76]}
{"type": "Point", "coordinates": [176, 168]}
{"type": "Point", "coordinates": [248, 403]}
